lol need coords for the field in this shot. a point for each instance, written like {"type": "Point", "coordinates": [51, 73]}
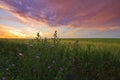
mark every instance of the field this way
{"type": "Point", "coordinates": [68, 59]}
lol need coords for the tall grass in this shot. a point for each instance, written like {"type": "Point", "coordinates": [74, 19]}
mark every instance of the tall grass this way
{"type": "Point", "coordinates": [87, 59]}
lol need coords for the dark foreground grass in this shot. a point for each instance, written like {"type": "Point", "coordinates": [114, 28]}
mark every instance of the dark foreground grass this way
{"type": "Point", "coordinates": [87, 60]}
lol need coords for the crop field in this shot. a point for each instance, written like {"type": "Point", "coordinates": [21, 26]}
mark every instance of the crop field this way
{"type": "Point", "coordinates": [68, 59]}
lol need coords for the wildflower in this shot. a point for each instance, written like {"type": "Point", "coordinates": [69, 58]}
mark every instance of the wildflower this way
{"type": "Point", "coordinates": [53, 61]}
{"type": "Point", "coordinates": [20, 54]}
{"type": "Point", "coordinates": [37, 56]}
{"type": "Point", "coordinates": [13, 65]}
{"type": "Point", "coordinates": [61, 69]}
{"type": "Point", "coordinates": [3, 78]}
{"type": "Point", "coordinates": [55, 34]}
{"type": "Point", "coordinates": [38, 35]}
{"type": "Point", "coordinates": [49, 67]}
{"type": "Point", "coordinates": [7, 69]}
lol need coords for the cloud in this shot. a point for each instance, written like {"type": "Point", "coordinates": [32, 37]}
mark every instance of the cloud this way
{"type": "Point", "coordinates": [90, 13]}
{"type": "Point", "coordinates": [20, 17]}
{"type": "Point", "coordinates": [25, 32]}
{"type": "Point", "coordinates": [12, 32]}
{"type": "Point", "coordinates": [64, 12]}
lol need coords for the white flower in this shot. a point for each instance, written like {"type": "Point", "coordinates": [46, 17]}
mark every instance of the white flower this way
{"type": "Point", "coordinates": [7, 69]}
{"type": "Point", "coordinates": [20, 54]}
{"type": "Point", "coordinates": [37, 57]}
{"type": "Point", "coordinates": [13, 65]}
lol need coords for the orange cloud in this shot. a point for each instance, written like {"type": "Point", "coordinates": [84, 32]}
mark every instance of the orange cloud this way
{"type": "Point", "coordinates": [59, 12]}
{"type": "Point", "coordinates": [78, 15]}
{"type": "Point", "coordinates": [25, 32]}
{"type": "Point", "coordinates": [10, 32]}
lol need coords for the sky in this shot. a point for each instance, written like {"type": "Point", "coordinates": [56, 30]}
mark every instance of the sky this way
{"type": "Point", "coordinates": [71, 18]}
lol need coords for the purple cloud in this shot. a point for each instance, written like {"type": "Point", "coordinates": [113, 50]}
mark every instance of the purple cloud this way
{"type": "Point", "coordinates": [69, 12]}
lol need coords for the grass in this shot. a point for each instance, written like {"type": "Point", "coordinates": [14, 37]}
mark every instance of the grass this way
{"type": "Point", "coordinates": [88, 59]}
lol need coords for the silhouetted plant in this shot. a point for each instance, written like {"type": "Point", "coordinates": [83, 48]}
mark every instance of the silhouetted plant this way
{"type": "Point", "coordinates": [55, 36]}
{"type": "Point", "coordinates": [55, 39]}
{"type": "Point", "coordinates": [38, 38]}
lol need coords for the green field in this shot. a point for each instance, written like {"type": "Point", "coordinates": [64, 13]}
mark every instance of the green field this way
{"type": "Point", "coordinates": [84, 59]}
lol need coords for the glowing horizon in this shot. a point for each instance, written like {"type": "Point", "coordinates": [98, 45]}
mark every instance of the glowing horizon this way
{"type": "Point", "coordinates": [71, 18]}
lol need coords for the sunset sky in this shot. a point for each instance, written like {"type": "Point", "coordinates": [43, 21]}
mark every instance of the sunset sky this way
{"type": "Point", "coordinates": [71, 18]}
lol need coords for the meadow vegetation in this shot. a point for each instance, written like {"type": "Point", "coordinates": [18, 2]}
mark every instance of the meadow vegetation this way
{"type": "Point", "coordinates": [60, 59]}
